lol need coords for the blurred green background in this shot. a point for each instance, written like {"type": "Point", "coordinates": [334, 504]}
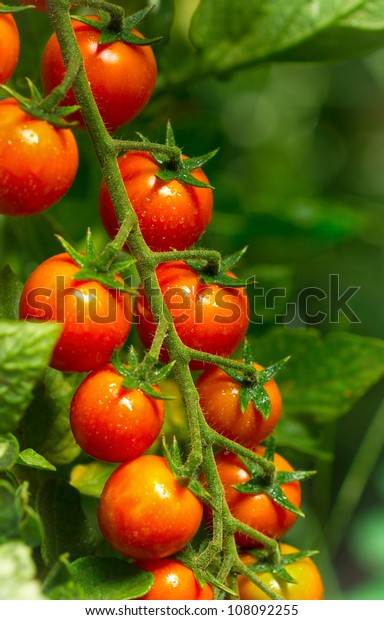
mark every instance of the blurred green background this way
{"type": "Point", "coordinates": [299, 178]}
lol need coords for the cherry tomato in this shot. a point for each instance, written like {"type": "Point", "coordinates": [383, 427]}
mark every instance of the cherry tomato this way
{"type": "Point", "coordinates": [209, 318]}
{"type": "Point", "coordinates": [220, 402]}
{"type": "Point", "coordinates": [309, 584]}
{"type": "Point", "coordinates": [121, 76]}
{"type": "Point", "coordinates": [172, 214]}
{"type": "Point", "coordinates": [9, 46]}
{"type": "Point", "coordinates": [174, 582]}
{"type": "Point", "coordinates": [113, 423]}
{"type": "Point", "coordinates": [95, 319]}
{"type": "Point", "coordinates": [257, 510]}
{"type": "Point", "coordinates": [38, 162]}
{"type": "Point", "coordinates": [144, 513]}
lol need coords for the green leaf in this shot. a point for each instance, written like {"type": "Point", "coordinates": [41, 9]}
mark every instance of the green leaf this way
{"type": "Point", "coordinates": [325, 376]}
{"type": "Point", "coordinates": [9, 451]}
{"type": "Point", "coordinates": [110, 578]}
{"type": "Point", "coordinates": [65, 526]}
{"type": "Point", "coordinates": [46, 426]}
{"type": "Point", "coordinates": [10, 291]}
{"type": "Point", "coordinates": [59, 585]}
{"type": "Point", "coordinates": [31, 458]}
{"type": "Point", "coordinates": [25, 351]}
{"type": "Point", "coordinates": [17, 518]}
{"type": "Point", "coordinates": [294, 434]}
{"type": "Point", "coordinates": [90, 478]}
{"type": "Point", "coordinates": [259, 30]}
{"type": "Point", "coordinates": [18, 573]}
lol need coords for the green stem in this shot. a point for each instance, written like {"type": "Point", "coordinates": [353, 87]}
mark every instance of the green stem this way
{"type": "Point", "coordinates": [115, 11]}
{"type": "Point", "coordinates": [212, 257]}
{"type": "Point", "coordinates": [248, 572]}
{"type": "Point", "coordinates": [173, 152]}
{"type": "Point", "coordinates": [152, 355]}
{"type": "Point", "coordinates": [57, 94]}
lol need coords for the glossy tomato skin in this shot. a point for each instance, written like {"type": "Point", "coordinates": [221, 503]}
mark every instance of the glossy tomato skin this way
{"type": "Point", "coordinates": [9, 46]}
{"type": "Point", "coordinates": [38, 162]}
{"type": "Point", "coordinates": [220, 401]}
{"type": "Point", "coordinates": [122, 76]}
{"type": "Point", "coordinates": [113, 423]}
{"type": "Point", "coordinates": [256, 510]}
{"type": "Point", "coordinates": [95, 319]}
{"type": "Point", "coordinates": [209, 318]}
{"type": "Point", "coordinates": [143, 512]}
{"type": "Point", "coordinates": [174, 582]}
{"type": "Point", "coordinates": [309, 584]}
{"type": "Point", "coordinates": [172, 215]}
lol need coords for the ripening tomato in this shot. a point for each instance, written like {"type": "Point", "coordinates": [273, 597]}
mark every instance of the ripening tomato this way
{"type": "Point", "coordinates": [144, 513]}
{"type": "Point", "coordinates": [113, 423]}
{"type": "Point", "coordinates": [121, 76]}
{"type": "Point", "coordinates": [172, 215]}
{"type": "Point", "coordinates": [174, 582]}
{"type": "Point", "coordinates": [209, 318]}
{"type": "Point", "coordinates": [220, 401]}
{"type": "Point", "coordinates": [9, 46]}
{"type": "Point", "coordinates": [95, 319]}
{"type": "Point", "coordinates": [38, 162]}
{"type": "Point", "coordinates": [257, 510]}
{"type": "Point", "coordinates": [308, 586]}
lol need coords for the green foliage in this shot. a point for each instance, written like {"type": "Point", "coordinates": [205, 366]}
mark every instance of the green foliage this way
{"type": "Point", "coordinates": [18, 572]}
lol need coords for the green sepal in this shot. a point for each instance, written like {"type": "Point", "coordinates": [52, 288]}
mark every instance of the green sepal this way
{"type": "Point", "coordinates": [283, 477]}
{"type": "Point", "coordinates": [34, 106]}
{"type": "Point", "coordinates": [269, 373]}
{"type": "Point", "coordinates": [198, 489]}
{"type": "Point", "coordinates": [276, 494]}
{"type": "Point", "coordinates": [173, 456]}
{"type": "Point", "coordinates": [259, 396]}
{"type": "Point", "coordinates": [135, 378]}
{"type": "Point", "coordinates": [221, 278]}
{"type": "Point", "coordinates": [5, 8]}
{"type": "Point", "coordinates": [278, 570]}
{"type": "Point", "coordinates": [109, 35]}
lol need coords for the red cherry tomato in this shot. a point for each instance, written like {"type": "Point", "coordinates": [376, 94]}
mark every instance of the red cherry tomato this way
{"type": "Point", "coordinates": [209, 318]}
{"type": "Point", "coordinates": [172, 214]}
{"type": "Point", "coordinates": [113, 423]}
{"type": "Point", "coordinates": [174, 582]}
{"type": "Point", "coordinates": [122, 76]}
{"type": "Point", "coordinates": [38, 162]}
{"type": "Point", "coordinates": [220, 402]}
{"type": "Point", "coordinates": [308, 586]}
{"type": "Point", "coordinates": [144, 513]}
{"type": "Point", "coordinates": [9, 46]}
{"type": "Point", "coordinates": [39, 4]}
{"type": "Point", "coordinates": [257, 510]}
{"type": "Point", "coordinates": [95, 319]}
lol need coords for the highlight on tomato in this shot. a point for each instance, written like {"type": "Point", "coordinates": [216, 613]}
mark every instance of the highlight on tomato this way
{"type": "Point", "coordinates": [96, 319]}
{"type": "Point", "coordinates": [174, 581]}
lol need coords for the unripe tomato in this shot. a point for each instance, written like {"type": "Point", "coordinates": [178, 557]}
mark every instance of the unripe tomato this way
{"type": "Point", "coordinates": [257, 510]}
{"type": "Point", "coordinates": [174, 582]}
{"type": "Point", "coordinates": [121, 76]}
{"type": "Point", "coordinates": [144, 513]}
{"type": "Point", "coordinates": [113, 423]}
{"type": "Point", "coordinates": [95, 319]}
{"type": "Point", "coordinates": [220, 402]}
{"type": "Point", "coordinates": [172, 214]}
{"type": "Point", "coordinates": [38, 162]}
{"type": "Point", "coordinates": [309, 584]}
{"type": "Point", "coordinates": [209, 318]}
{"type": "Point", "coordinates": [9, 46]}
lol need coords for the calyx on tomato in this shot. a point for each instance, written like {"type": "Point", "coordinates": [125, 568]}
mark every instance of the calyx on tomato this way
{"type": "Point", "coordinates": [35, 106]}
{"type": "Point", "coordinates": [279, 570]}
{"type": "Point", "coordinates": [252, 385]}
{"type": "Point", "coordinates": [101, 267]}
{"type": "Point", "coordinates": [175, 463]}
{"type": "Point", "coordinates": [111, 32]}
{"type": "Point", "coordinates": [138, 376]}
{"type": "Point", "coordinates": [211, 275]}
{"type": "Point", "coordinates": [181, 168]}
{"type": "Point", "coordinates": [258, 483]}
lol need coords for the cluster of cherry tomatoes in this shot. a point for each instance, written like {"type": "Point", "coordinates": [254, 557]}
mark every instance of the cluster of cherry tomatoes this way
{"type": "Point", "coordinates": [145, 513]}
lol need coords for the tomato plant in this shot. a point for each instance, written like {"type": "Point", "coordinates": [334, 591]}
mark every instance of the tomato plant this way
{"type": "Point", "coordinates": [95, 319]}
{"type": "Point", "coordinates": [172, 214]}
{"type": "Point", "coordinates": [113, 423]}
{"type": "Point", "coordinates": [308, 584]}
{"type": "Point", "coordinates": [220, 401]}
{"type": "Point", "coordinates": [258, 510]}
{"type": "Point", "coordinates": [9, 46]}
{"type": "Point", "coordinates": [38, 162]}
{"type": "Point", "coordinates": [174, 581]}
{"type": "Point", "coordinates": [107, 66]}
{"type": "Point", "coordinates": [144, 513]}
{"type": "Point", "coordinates": [209, 318]}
